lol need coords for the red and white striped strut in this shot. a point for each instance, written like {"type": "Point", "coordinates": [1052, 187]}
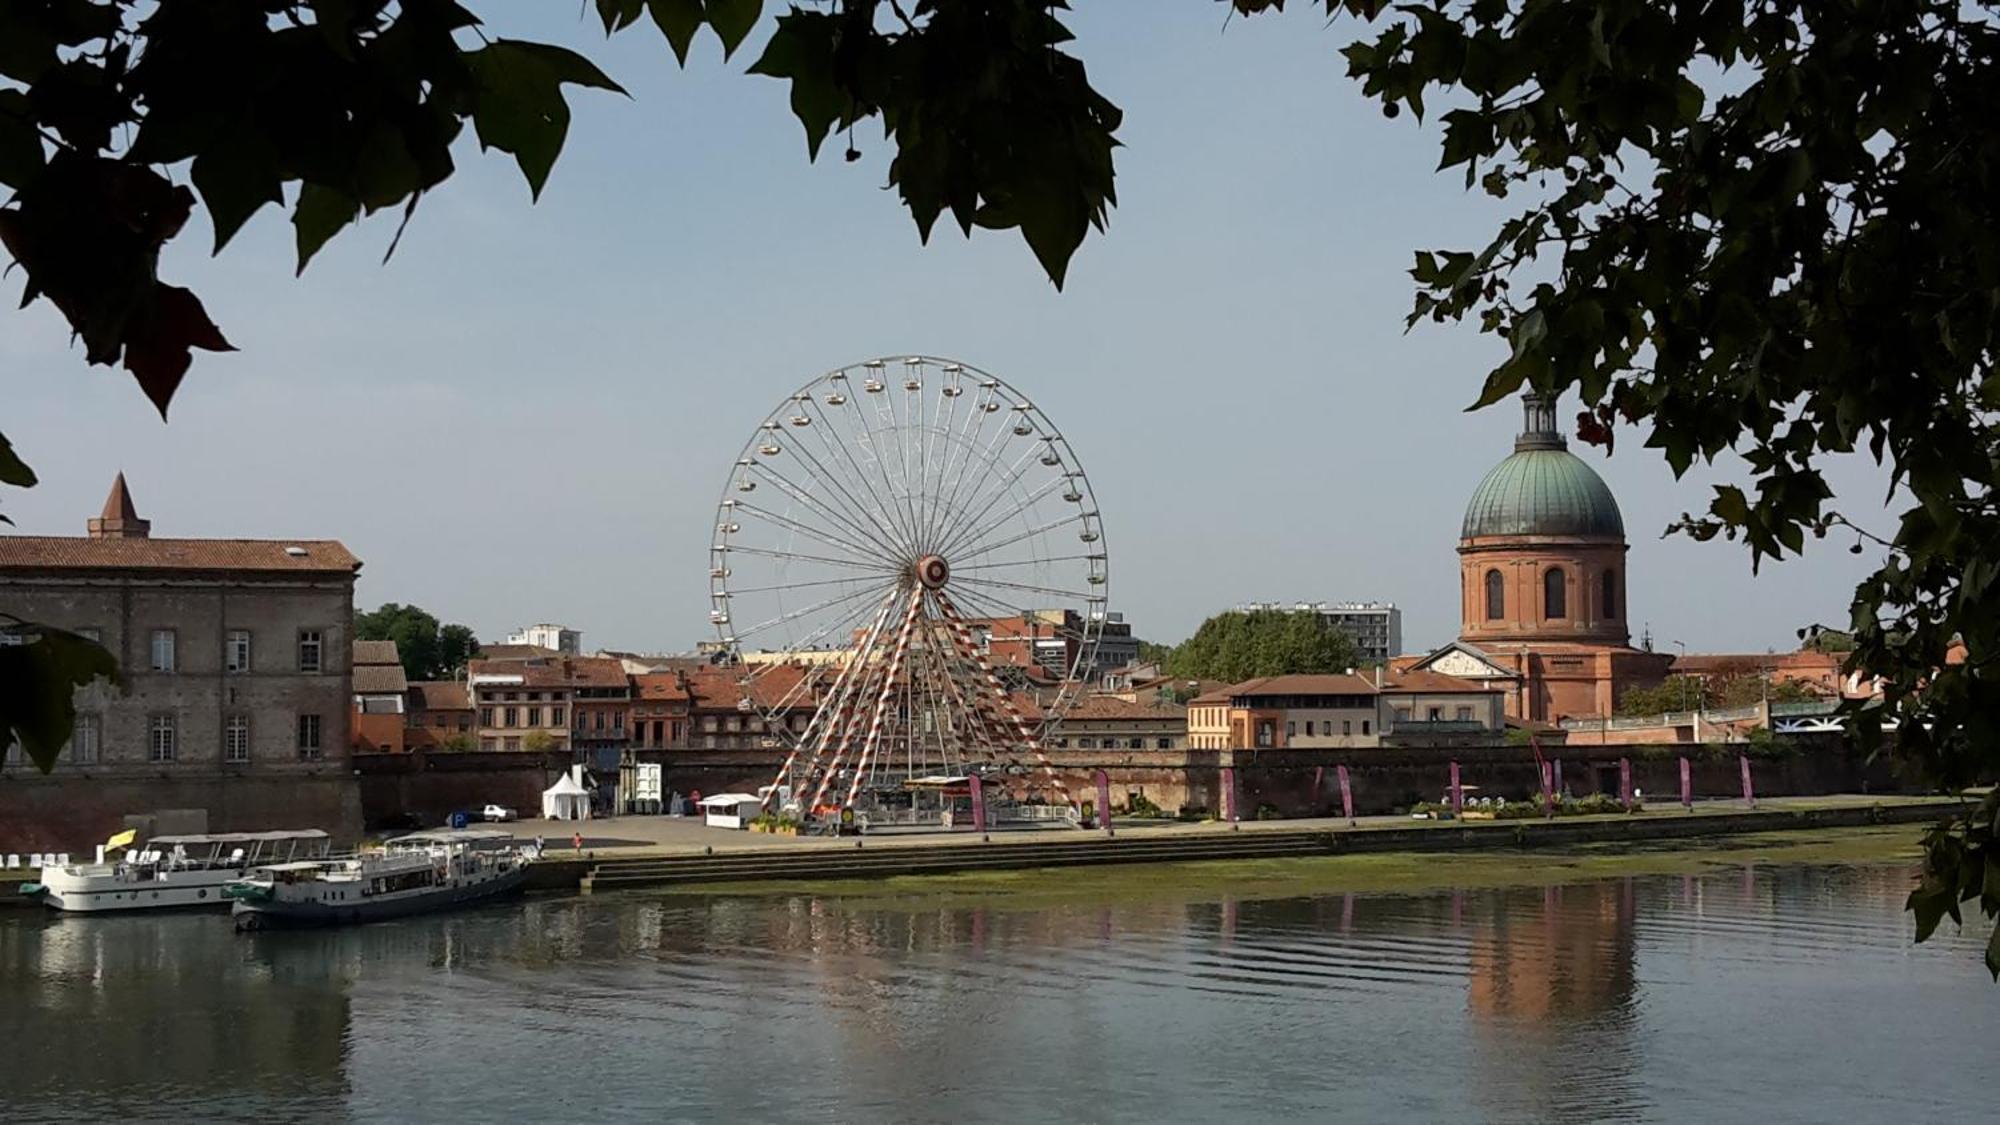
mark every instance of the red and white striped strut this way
{"type": "Point", "coordinates": [865, 658]}
{"type": "Point", "coordinates": [816, 732]}
{"type": "Point", "coordinates": [895, 670]}
{"type": "Point", "coordinates": [963, 635]}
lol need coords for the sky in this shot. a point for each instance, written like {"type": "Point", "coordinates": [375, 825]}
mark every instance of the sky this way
{"type": "Point", "coordinates": [530, 413]}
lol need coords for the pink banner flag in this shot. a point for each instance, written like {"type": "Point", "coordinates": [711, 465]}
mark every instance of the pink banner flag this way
{"type": "Point", "coordinates": [1104, 801]}
{"type": "Point", "coordinates": [1346, 796]}
{"type": "Point", "coordinates": [1625, 783]}
{"type": "Point", "coordinates": [1749, 793]}
{"type": "Point", "coordinates": [1542, 772]}
{"type": "Point", "coordinates": [978, 805]}
{"type": "Point", "coordinates": [1687, 785]}
{"type": "Point", "coordinates": [1457, 792]}
{"type": "Point", "coordinates": [1229, 793]}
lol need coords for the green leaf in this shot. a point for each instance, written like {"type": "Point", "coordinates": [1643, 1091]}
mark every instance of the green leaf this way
{"type": "Point", "coordinates": [21, 152]}
{"type": "Point", "coordinates": [732, 20]}
{"type": "Point", "coordinates": [518, 105]}
{"type": "Point", "coordinates": [320, 214]}
{"type": "Point", "coordinates": [619, 14]}
{"type": "Point", "coordinates": [13, 470]}
{"type": "Point", "coordinates": [678, 20]}
{"type": "Point", "coordinates": [38, 681]}
{"type": "Point", "coordinates": [235, 180]}
{"type": "Point", "coordinates": [801, 49]}
{"type": "Point", "coordinates": [1993, 953]}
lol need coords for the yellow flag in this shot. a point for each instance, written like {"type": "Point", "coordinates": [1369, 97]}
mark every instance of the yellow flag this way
{"type": "Point", "coordinates": [122, 840]}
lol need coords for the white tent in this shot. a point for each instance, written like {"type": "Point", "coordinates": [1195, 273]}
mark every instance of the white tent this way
{"type": "Point", "coordinates": [565, 800]}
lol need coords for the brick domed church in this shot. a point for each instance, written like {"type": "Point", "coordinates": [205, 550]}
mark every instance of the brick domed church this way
{"type": "Point", "coordinates": [1542, 582]}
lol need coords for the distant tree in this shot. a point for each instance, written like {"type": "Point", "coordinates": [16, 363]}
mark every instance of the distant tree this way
{"type": "Point", "coordinates": [1829, 640]}
{"type": "Point", "coordinates": [1237, 646]}
{"type": "Point", "coordinates": [1151, 652]}
{"type": "Point", "coordinates": [1714, 693]}
{"type": "Point", "coordinates": [456, 647]}
{"type": "Point", "coordinates": [457, 743]}
{"type": "Point", "coordinates": [538, 742]}
{"type": "Point", "coordinates": [428, 651]}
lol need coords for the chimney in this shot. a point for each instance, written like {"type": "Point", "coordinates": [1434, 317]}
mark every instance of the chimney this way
{"type": "Point", "coordinates": [120, 519]}
{"type": "Point", "coordinates": [1378, 677]}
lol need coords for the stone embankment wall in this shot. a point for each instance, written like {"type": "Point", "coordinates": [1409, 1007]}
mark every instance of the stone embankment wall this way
{"type": "Point", "coordinates": [430, 784]}
{"type": "Point", "coordinates": [69, 812]}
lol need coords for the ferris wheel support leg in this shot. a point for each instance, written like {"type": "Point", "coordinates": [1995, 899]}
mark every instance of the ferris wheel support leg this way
{"type": "Point", "coordinates": [882, 699]}
{"type": "Point", "coordinates": [847, 721]}
{"type": "Point", "coordinates": [963, 635]}
{"type": "Point", "coordinates": [818, 738]}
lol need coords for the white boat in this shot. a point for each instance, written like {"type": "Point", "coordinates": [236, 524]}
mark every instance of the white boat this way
{"type": "Point", "coordinates": [173, 871]}
{"type": "Point", "coordinates": [412, 874]}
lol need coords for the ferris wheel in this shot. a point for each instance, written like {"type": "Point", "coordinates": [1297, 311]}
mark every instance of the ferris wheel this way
{"type": "Point", "coordinates": [909, 573]}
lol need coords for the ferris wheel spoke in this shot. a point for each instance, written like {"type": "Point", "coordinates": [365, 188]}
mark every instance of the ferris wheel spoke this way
{"type": "Point", "coordinates": [978, 549]}
{"type": "Point", "coordinates": [844, 521]}
{"type": "Point", "coordinates": [987, 455]}
{"type": "Point", "coordinates": [978, 526]}
{"type": "Point", "coordinates": [811, 532]}
{"type": "Point", "coordinates": [794, 556]}
{"type": "Point", "coordinates": [870, 441]}
{"type": "Point", "coordinates": [785, 618]}
{"type": "Point", "coordinates": [961, 568]}
{"type": "Point", "coordinates": [836, 451]}
{"type": "Point", "coordinates": [784, 586]}
{"type": "Point", "coordinates": [994, 583]}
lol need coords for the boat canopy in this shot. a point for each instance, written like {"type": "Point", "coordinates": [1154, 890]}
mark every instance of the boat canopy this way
{"type": "Point", "coordinates": [240, 837]}
{"type": "Point", "coordinates": [721, 799]}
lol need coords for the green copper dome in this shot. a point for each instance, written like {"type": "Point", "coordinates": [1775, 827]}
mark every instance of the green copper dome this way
{"type": "Point", "coordinates": [1543, 489]}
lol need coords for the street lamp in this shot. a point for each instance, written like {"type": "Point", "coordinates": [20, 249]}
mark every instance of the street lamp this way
{"type": "Point", "coordinates": [1682, 645]}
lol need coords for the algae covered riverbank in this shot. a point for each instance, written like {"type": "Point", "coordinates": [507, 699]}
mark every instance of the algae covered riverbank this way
{"type": "Point", "coordinates": [1382, 873]}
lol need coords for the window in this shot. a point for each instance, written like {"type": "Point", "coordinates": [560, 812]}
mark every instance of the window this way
{"type": "Point", "coordinates": [534, 716]}
{"type": "Point", "coordinates": [309, 747]}
{"type": "Point", "coordinates": [1135, 744]}
{"type": "Point", "coordinates": [510, 716]}
{"type": "Point", "coordinates": [488, 744]}
{"type": "Point", "coordinates": [513, 744]}
{"type": "Point", "coordinates": [1610, 598]}
{"type": "Point", "coordinates": [1163, 744]}
{"type": "Point", "coordinates": [1555, 594]}
{"type": "Point", "coordinates": [236, 739]}
{"type": "Point", "coordinates": [1309, 728]}
{"type": "Point", "coordinates": [486, 716]}
{"type": "Point", "coordinates": [84, 740]}
{"type": "Point", "coordinates": [1086, 744]}
{"type": "Point", "coordinates": [1266, 732]}
{"type": "Point", "coordinates": [1496, 596]}
{"type": "Point", "coordinates": [309, 650]}
{"type": "Point", "coordinates": [618, 721]}
{"type": "Point", "coordinates": [1364, 726]}
{"type": "Point", "coordinates": [556, 717]}
{"type": "Point", "coordinates": [1402, 714]}
{"type": "Point", "coordinates": [161, 738]}
{"type": "Point", "coordinates": [163, 650]}
{"type": "Point", "coordinates": [1434, 714]}
{"type": "Point", "coordinates": [236, 651]}
{"type": "Point", "coordinates": [1291, 730]}
{"type": "Point", "coordinates": [512, 696]}
{"type": "Point", "coordinates": [1347, 726]}
{"type": "Point", "coordinates": [437, 721]}
{"type": "Point", "coordinates": [599, 721]}
{"type": "Point", "coordinates": [1464, 714]}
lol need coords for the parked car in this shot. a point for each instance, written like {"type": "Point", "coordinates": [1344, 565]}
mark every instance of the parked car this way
{"type": "Point", "coordinates": [500, 812]}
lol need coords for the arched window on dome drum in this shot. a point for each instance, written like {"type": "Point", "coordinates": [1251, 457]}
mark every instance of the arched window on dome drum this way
{"type": "Point", "coordinates": [1496, 596]}
{"type": "Point", "coordinates": [1611, 594]}
{"type": "Point", "coordinates": [1555, 594]}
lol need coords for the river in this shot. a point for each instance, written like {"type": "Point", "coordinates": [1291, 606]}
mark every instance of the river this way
{"type": "Point", "coordinates": [1754, 993]}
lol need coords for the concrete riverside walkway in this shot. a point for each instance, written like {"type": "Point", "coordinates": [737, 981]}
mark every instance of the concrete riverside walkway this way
{"type": "Point", "coordinates": [656, 849]}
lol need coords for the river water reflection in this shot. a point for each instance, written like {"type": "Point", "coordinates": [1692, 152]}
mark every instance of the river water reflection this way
{"type": "Point", "coordinates": [1768, 994]}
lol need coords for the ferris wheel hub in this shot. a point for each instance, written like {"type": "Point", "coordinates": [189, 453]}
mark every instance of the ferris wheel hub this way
{"type": "Point", "coordinates": [932, 572]}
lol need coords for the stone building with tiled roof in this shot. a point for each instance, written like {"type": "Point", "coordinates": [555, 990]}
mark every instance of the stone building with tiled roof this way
{"type": "Point", "coordinates": [236, 657]}
{"type": "Point", "coordinates": [1346, 710]}
{"type": "Point", "coordinates": [380, 697]}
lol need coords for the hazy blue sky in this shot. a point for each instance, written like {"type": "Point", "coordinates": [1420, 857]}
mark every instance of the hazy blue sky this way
{"type": "Point", "coordinates": [530, 414]}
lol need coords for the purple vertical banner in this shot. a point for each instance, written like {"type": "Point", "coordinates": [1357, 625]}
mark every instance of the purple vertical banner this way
{"type": "Point", "coordinates": [1104, 801]}
{"type": "Point", "coordinates": [1548, 790]}
{"type": "Point", "coordinates": [1346, 795]}
{"type": "Point", "coordinates": [1749, 793]}
{"type": "Point", "coordinates": [978, 805]}
{"type": "Point", "coordinates": [1229, 794]}
{"type": "Point", "coordinates": [1625, 783]}
{"type": "Point", "coordinates": [1457, 792]}
{"type": "Point", "coordinates": [1687, 784]}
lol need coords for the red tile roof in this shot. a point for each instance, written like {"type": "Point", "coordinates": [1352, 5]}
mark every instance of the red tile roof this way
{"type": "Point", "coordinates": [376, 652]}
{"type": "Point", "coordinates": [379, 679]}
{"type": "Point", "coordinates": [62, 552]}
{"type": "Point", "coordinates": [440, 695]}
{"type": "Point", "coordinates": [659, 687]}
{"type": "Point", "coordinates": [1342, 683]}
